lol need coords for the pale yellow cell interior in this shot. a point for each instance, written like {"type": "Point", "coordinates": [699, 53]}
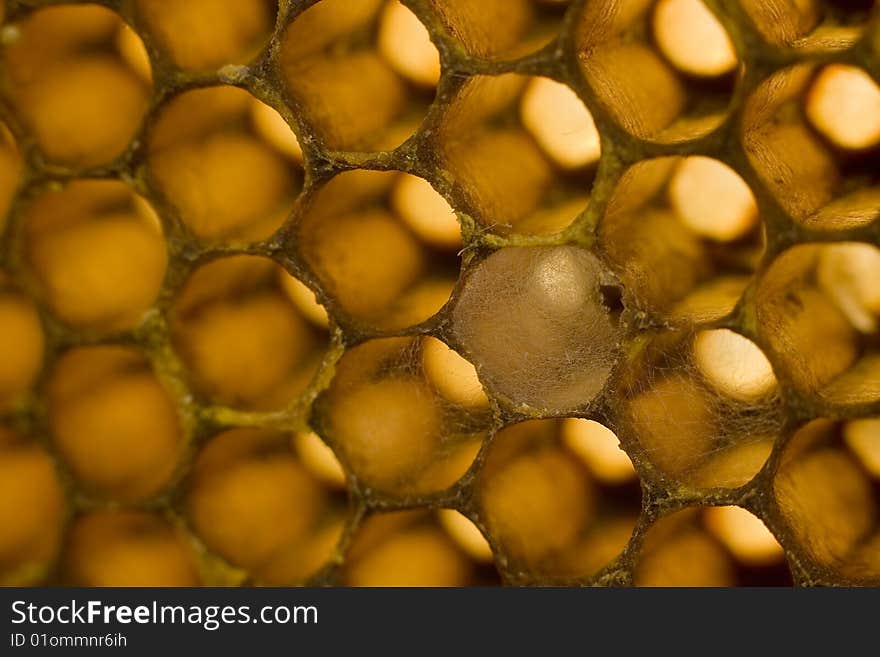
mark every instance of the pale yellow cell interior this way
{"type": "Point", "coordinates": [843, 104]}
{"type": "Point", "coordinates": [406, 44]}
{"type": "Point", "coordinates": [599, 448]}
{"type": "Point", "coordinates": [734, 365]}
{"type": "Point", "coordinates": [692, 38]}
{"type": "Point", "coordinates": [744, 534]}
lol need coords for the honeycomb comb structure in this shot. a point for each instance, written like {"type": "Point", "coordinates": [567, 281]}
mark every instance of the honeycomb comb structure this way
{"type": "Point", "coordinates": [366, 292]}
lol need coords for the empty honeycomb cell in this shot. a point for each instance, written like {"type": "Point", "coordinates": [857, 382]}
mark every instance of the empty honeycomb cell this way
{"type": "Point", "coordinates": [406, 43]}
{"type": "Point", "coordinates": [378, 270]}
{"type": "Point", "coordinates": [519, 149]}
{"type": "Point", "coordinates": [252, 502]}
{"type": "Point", "coordinates": [501, 29]}
{"type": "Point", "coordinates": [697, 420]}
{"type": "Point", "coordinates": [816, 184]}
{"type": "Point", "coordinates": [547, 513]}
{"type": "Point", "coordinates": [391, 428]}
{"type": "Point", "coordinates": [97, 251]}
{"type": "Point", "coordinates": [30, 534]}
{"type": "Point", "coordinates": [214, 163]}
{"type": "Point", "coordinates": [650, 96]}
{"type": "Point", "coordinates": [355, 89]}
{"type": "Point", "coordinates": [534, 322]}
{"type": "Point", "coordinates": [829, 501]}
{"type": "Point", "coordinates": [113, 423]}
{"type": "Point", "coordinates": [206, 34]}
{"type": "Point", "coordinates": [688, 548]}
{"type": "Point", "coordinates": [10, 171]}
{"type": "Point", "coordinates": [70, 85]}
{"type": "Point", "coordinates": [810, 26]}
{"type": "Point", "coordinates": [819, 325]}
{"type": "Point", "coordinates": [843, 104]}
{"type": "Point", "coordinates": [692, 38]}
{"type": "Point", "coordinates": [783, 22]}
{"type": "Point", "coordinates": [128, 548]}
{"type": "Point", "coordinates": [660, 276]}
{"type": "Point", "coordinates": [21, 343]}
{"type": "Point", "coordinates": [407, 549]}
{"type": "Point", "coordinates": [245, 342]}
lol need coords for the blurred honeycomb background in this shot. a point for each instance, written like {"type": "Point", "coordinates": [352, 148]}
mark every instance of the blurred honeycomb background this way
{"type": "Point", "coordinates": [440, 292]}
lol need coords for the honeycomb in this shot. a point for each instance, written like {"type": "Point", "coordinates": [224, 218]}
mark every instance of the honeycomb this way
{"type": "Point", "coordinates": [440, 292]}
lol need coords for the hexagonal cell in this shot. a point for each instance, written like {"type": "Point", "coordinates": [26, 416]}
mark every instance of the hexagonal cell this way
{"type": "Point", "coordinates": [10, 172]}
{"type": "Point", "coordinates": [228, 164]}
{"type": "Point", "coordinates": [546, 512]}
{"type": "Point", "coordinates": [411, 548]}
{"type": "Point", "coordinates": [818, 309]}
{"type": "Point", "coordinates": [363, 73]}
{"type": "Point", "coordinates": [21, 343]}
{"type": "Point", "coordinates": [384, 247]}
{"type": "Point", "coordinates": [566, 339]}
{"type": "Point", "coordinates": [818, 181]}
{"type": "Point", "coordinates": [72, 86]}
{"type": "Point", "coordinates": [128, 548]}
{"type": "Point", "coordinates": [809, 25]}
{"type": "Point", "coordinates": [501, 29]}
{"type": "Point", "coordinates": [828, 492]}
{"type": "Point", "coordinates": [245, 343]}
{"type": "Point", "coordinates": [253, 503]}
{"type": "Point", "coordinates": [712, 239]}
{"type": "Point", "coordinates": [703, 407]}
{"type": "Point", "coordinates": [96, 249]}
{"type": "Point", "coordinates": [206, 34]}
{"type": "Point", "coordinates": [522, 151]}
{"type": "Point", "coordinates": [32, 511]}
{"type": "Point", "coordinates": [113, 423]}
{"type": "Point", "coordinates": [405, 415]}
{"type": "Point", "coordinates": [677, 94]}
{"type": "Point", "coordinates": [714, 546]}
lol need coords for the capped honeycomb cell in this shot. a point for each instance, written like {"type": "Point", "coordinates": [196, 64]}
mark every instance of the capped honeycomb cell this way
{"type": "Point", "coordinates": [128, 548]}
{"type": "Point", "coordinates": [829, 501]}
{"type": "Point", "coordinates": [546, 513]}
{"type": "Point", "coordinates": [535, 323]}
{"type": "Point", "coordinates": [113, 423]}
{"type": "Point", "coordinates": [246, 343]}
{"type": "Point", "coordinates": [72, 87]}
{"type": "Point", "coordinates": [716, 546]}
{"type": "Point", "coordinates": [653, 96]}
{"type": "Point", "coordinates": [205, 34]}
{"type": "Point", "coordinates": [98, 252]}
{"type": "Point", "coordinates": [520, 149]}
{"type": "Point", "coordinates": [383, 245]}
{"type": "Point", "coordinates": [697, 204]}
{"type": "Point", "coordinates": [400, 424]}
{"type": "Point", "coordinates": [363, 84]}
{"type": "Point", "coordinates": [226, 162]}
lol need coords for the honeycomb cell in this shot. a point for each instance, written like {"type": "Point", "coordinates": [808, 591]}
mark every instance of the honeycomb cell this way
{"type": "Point", "coordinates": [819, 320]}
{"type": "Point", "coordinates": [702, 547]}
{"type": "Point", "coordinates": [566, 340]}
{"type": "Point", "coordinates": [252, 502]}
{"type": "Point", "coordinates": [30, 534]}
{"type": "Point", "coordinates": [113, 423]}
{"type": "Point", "coordinates": [362, 84]}
{"type": "Point", "coordinates": [408, 549]}
{"type": "Point", "coordinates": [697, 204]}
{"type": "Point", "coordinates": [656, 98]}
{"type": "Point", "coordinates": [384, 261]}
{"type": "Point", "coordinates": [814, 182]}
{"type": "Point", "coordinates": [71, 86]}
{"type": "Point", "coordinates": [317, 457]}
{"type": "Point", "coordinates": [128, 548]}
{"type": "Point", "coordinates": [466, 534]}
{"type": "Point", "coordinates": [21, 343]}
{"type": "Point", "coordinates": [697, 420]}
{"type": "Point", "coordinates": [206, 34]}
{"type": "Point", "coordinates": [599, 449]}
{"type": "Point", "coordinates": [228, 174]}
{"type": "Point", "coordinates": [97, 251]}
{"type": "Point", "coordinates": [809, 25]}
{"type": "Point", "coordinates": [843, 104]}
{"type": "Point", "coordinates": [10, 172]}
{"type": "Point", "coordinates": [546, 513]}
{"type": "Point", "coordinates": [829, 501]}
{"type": "Point", "coordinates": [245, 343]}
{"type": "Point", "coordinates": [501, 29]}
{"type": "Point", "coordinates": [520, 149]}
{"type": "Point", "coordinates": [392, 426]}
